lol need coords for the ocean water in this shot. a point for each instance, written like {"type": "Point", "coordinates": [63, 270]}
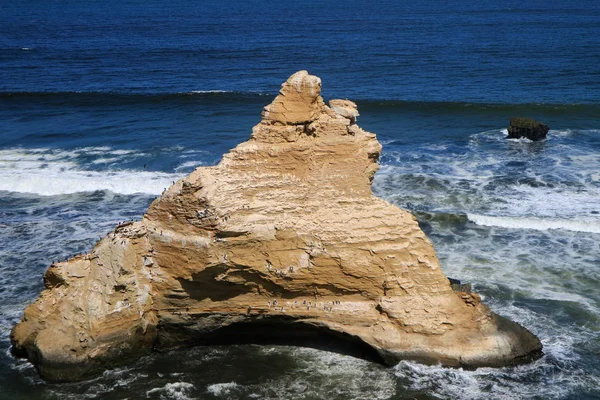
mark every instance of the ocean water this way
{"type": "Point", "coordinates": [104, 104]}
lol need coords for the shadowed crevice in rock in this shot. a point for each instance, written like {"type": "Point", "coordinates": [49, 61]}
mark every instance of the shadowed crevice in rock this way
{"type": "Point", "coordinates": [208, 285]}
{"type": "Point", "coordinates": [222, 282]}
{"type": "Point", "coordinates": [282, 242]}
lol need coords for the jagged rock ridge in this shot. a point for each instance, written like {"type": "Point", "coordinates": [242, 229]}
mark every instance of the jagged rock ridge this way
{"type": "Point", "coordinates": [282, 240]}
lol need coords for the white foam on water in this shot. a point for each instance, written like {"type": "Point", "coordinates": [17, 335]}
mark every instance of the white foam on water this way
{"type": "Point", "coordinates": [551, 133]}
{"type": "Point", "coordinates": [561, 133]}
{"type": "Point", "coordinates": [435, 146]}
{"type": "Point", "coordinates": [554, 185]}
{"type": "Point", "coordinates": [89, 150]}
{"type": "Point", "coordinates": [73, 181]}
{"type": "Point", "coordinates": [541, 224]}
{"type": "Point", "coordinates": [221, 389]}
{"type": "Point", "coordinates": [122, 152]}
{"type": "Point", "coordinates": [385, 142]}
{"type": "Point", "coordinates": [552, 202]}
{"type": "Point", "coordinates": [209, 91]}
{"type": "Point", "coordinates": [586, 159]}
{"type": "Point", "coordinates": [176, 390]}
{"type": "Point", "coordinates": [105, 160]}
{"type": "Point", "coordinates": [188, 165]}
{"type": "Point", "coordinates": [323, 374]}
{"type": "Point", "coordinates": [544, 280]}
{"type": "Point", "coordinates": [18, 364]}
{"type": "Point", "coordinates": [49, 172]}
{"type": "Point", "coordinates": [104, 151]}
{"type": "Point", "coordinates": [554, 264]}
{"type": "Point", "coordinates": [483, 383]}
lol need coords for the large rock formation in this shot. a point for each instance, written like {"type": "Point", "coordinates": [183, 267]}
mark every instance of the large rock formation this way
{"type": "Point", "coordinates": [282, 241]}
{"type": "Point", "coordinates": [526, 127]}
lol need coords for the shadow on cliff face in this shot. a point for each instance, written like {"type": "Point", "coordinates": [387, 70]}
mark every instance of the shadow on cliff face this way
{"type": "Point", "coordinates": [222, 282]}
{"type": "Point", "coordinates": [206, 285]}
{"type": "Point", "coordinates": [279, 330]}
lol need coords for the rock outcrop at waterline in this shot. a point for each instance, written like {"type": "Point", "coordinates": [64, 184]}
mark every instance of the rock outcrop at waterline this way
{"type": "Point", "coordinates": [282, 240]}
{"type": "Point", "coordinates": [526, 127]}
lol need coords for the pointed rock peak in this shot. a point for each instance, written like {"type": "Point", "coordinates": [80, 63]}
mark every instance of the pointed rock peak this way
{"type": "Point", "coordinates": [298, 102]}
{"type": "Point", "coordinates": [302, 82]}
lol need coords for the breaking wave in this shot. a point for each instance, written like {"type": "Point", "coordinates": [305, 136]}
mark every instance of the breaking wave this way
{"type": "Point", "coordinates": [540, 224]}
{"type": "Point", "coordinates": [49, 172]}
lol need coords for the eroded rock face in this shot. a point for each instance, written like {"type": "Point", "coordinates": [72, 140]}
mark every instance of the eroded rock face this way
{"type": "Point", "coordinates": [282, 240]}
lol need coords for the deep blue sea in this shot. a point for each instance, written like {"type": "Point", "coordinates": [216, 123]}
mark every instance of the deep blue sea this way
{"type": "Point", "coordinates": [104, 103]}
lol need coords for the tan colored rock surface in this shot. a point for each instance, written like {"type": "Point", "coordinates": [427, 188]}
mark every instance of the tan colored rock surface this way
{"type": "Point", "coordinates": [282, 240]}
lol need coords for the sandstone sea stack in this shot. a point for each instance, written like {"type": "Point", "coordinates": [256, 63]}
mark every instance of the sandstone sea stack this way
{"type": "Point", "coordinates": [282, 240]}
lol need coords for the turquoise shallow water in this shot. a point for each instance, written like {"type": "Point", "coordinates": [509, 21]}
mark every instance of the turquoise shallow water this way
{"type": "Point", "coordinates": [104, 105]}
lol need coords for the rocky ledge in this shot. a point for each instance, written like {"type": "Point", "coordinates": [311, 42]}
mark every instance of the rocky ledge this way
{"type": "Point", "coordinates": [283, 242]}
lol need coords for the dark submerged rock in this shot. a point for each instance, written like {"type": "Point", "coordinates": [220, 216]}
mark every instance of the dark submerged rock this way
{"type": "Point", "coordinates": [526, 127]}
{"type": "Point", "coordinates": [458, 286]}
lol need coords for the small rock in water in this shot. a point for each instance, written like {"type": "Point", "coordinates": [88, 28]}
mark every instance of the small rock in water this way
{"type": "Point", "coordinates": [526, 127]}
